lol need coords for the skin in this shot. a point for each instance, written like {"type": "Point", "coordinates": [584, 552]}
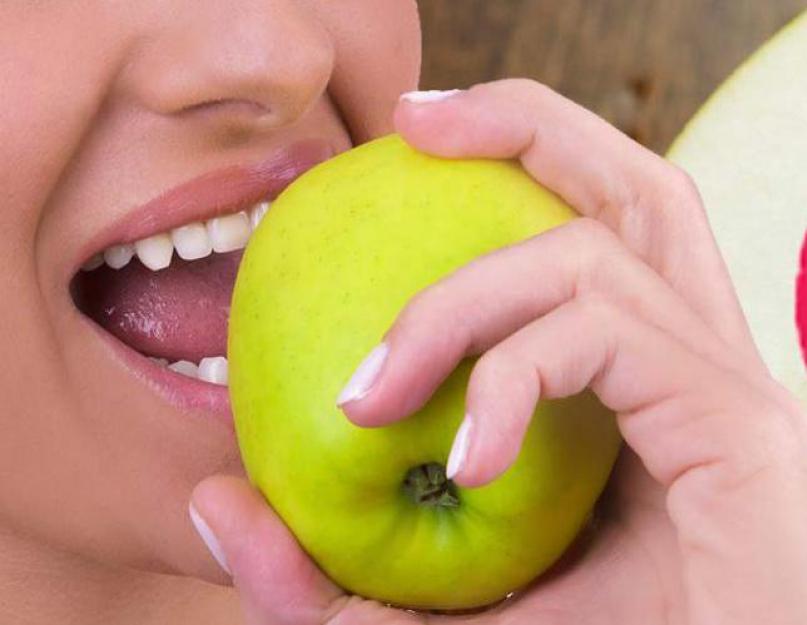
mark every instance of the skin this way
{"type": "Point", "coordinates": [95, 469]}
{"type": "Point", "coordinates": [106, 104]}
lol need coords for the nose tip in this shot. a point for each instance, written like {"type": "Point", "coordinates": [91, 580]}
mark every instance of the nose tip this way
{"type": "Point", "coordinates": [266, 62]}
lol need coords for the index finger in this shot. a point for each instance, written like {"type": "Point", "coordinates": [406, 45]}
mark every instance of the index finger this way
{"type": "Point", "coordinates": [650, 203]}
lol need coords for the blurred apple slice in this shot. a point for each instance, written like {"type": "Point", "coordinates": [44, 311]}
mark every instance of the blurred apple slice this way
{"type": "Point", "coordinates": [801, 300]}
{"type": "Point", "coordinates": [747, 151]}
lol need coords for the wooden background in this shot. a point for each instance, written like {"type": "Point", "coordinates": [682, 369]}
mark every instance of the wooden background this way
{"type": "Point", "coordinates": [645, 65]}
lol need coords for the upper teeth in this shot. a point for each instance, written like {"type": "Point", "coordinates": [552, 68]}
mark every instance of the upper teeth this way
{"type": "Point", "coordinates": [191, 241]}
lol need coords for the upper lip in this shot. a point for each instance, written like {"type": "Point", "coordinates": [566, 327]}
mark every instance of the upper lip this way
{"type": "Point", "coordinates": [220, 192]}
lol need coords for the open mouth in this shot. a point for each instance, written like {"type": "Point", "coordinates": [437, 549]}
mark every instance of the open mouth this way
{"type": "Point", "coordinates": [158, 286]}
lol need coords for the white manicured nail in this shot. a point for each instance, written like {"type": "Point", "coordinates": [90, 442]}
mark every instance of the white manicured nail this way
{"type": "Point", "coordinates": [209, 538]}
{"type": "Point", "coordinates": [459, 450]}
{"type": "Point", "coordinates": [365, 375]}
{"type": "Point", "coordinates": [426, 97]}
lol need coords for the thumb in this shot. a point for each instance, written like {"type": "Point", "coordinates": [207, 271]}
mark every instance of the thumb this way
{"type": "Point", "coordinates": [276, 581]}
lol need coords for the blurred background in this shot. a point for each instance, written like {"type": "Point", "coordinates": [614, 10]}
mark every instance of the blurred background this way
{"type": "Point", "coordinates": [644, 65]}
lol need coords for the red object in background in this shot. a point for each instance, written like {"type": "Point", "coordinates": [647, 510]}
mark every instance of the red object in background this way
{"type": "Point", "coordinates": [801, 300]}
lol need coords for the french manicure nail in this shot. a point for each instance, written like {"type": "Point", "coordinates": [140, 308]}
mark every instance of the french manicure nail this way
{"type": "Point", "coordinates": [459, 450]}
{"type": "Point", "coordinates": [209, 538]}
{"type": "Point", "coordinates": [425, 97]}
{"type": "Point", "coordinates": [365, 375]}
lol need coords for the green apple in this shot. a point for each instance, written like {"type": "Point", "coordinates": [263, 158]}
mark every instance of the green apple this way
{"type": "Point", "coordinates": [325, 275]}
{"type": "Point", "coordinates": [747, 151]}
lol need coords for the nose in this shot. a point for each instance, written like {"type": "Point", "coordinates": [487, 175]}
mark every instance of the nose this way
{"type": "Point", "coordinates": [264, 61]}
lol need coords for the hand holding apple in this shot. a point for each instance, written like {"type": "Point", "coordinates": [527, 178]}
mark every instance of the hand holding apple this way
{"type": "Point", "coordinates": [639, 309]}
{"type": "Point", "coordinates": [341, 253]}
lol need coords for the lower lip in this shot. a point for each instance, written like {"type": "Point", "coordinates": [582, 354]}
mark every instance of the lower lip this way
{"type": "Point", "coordinates": [184, 393]}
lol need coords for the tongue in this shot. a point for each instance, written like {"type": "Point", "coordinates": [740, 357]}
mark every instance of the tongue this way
{"type": "Point", "coordinates": [178, 313]}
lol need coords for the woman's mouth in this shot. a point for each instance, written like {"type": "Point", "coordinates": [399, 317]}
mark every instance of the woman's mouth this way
{"type": "Point", "coordinates": [157, 286]}
{"type": "Point", "coordinates": [174, 310]}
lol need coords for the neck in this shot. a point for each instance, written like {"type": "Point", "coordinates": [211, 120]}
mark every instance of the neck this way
{"type": "Point", "coordinates": [39, 585]}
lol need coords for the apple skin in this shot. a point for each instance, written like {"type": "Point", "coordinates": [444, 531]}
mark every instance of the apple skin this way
{"type": "Point", "coordinates": [338, 256]}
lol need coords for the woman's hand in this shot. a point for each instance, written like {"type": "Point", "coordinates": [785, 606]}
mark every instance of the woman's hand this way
{"type": "Point", "coordinates": [704, 519]}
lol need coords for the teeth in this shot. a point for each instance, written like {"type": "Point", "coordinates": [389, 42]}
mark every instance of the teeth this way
{"type": "Point", "coordinates": [155, 252]}
{"type": "Point", "coordinates": [185, 368]}
{"type": "Point", "coordinates": [93, 263]}
{"type": "Point", "coordinates": [229, 233]}
{"type": "Point", "coordinates": [192, 241]}
{"type": "Point", "coordinates": [212, 369]}
{"type": "Point", "coordinates": [118, 256]}
{"type": "Point", "coordinates": [257, 213]}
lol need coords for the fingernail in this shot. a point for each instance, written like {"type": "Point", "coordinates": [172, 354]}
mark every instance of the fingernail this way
{"type": "Point", "coordinates": [209, 538]}
{"type": "Point", "coordinates": [459, 450]}
{"type": "Point", "coordinates": [425, 97]}
{"type": "Point", "coordinates": [365, 375]}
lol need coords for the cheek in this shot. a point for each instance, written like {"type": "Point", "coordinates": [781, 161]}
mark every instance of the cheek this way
{"type": "Point", "coordinates": [801, 300]}
{"type": "Point", "coordinates": [377, 44]}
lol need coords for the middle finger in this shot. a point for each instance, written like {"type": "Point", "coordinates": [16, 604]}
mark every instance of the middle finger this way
{"type": "Point", "coordinates": [489, 299]}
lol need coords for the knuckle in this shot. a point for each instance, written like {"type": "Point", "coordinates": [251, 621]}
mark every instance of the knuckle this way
{"type": "Point", "coordinates": [589, 232]}
{"type": "Point", "coordinates": [407, 317]}
{"type": "Point", "coordinates": [766, 447]}
{"type": "Point", "coordinates": [420, 308]}
{"type": "Point", "coordinates": [682, 189]}
{"type": "Point", "coordinates": [598, 250]}
{"type": "Point", "coordinates": [526, 84]}
{"type": "Point", "coordinates": [621, 196]}
{"type": "Point", "coordinates": [775, 432]}
{"type": "Point", "coordinates": [490, 364]}
{"type": "Point", "coordinates": [526, 91]}
{"type": "Point", "coordinates": [503, 368]}
{"type": "Point", "coordinates": [502, 365]}
{"type": "Point", "coordinates": [752, 432]}
{"type": "Point", "coordinates": [435, 297]}
{"type": "Point", "coordinates": [434, 316]}
{"type": "Point", "coordinates": [595, 309]}
{"type": "Point", "coordinates": [681, 178]}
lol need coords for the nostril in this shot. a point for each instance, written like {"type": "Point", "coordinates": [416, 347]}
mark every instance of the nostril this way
{"type": "Point", "coordinates": [229, 121]}
{"type": "Point", "coordinates": [232, 106]}
{"type": "Point", "coordinates": [253, 67]}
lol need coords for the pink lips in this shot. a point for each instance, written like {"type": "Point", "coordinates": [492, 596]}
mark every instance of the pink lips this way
{"type": "Point", "coordinates": [188, 331]}
{"type": "Point", "coordinates": [217, 193]}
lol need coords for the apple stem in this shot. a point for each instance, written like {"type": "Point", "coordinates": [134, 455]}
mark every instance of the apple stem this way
{"type": "Point", "coordinates": [427, 485]}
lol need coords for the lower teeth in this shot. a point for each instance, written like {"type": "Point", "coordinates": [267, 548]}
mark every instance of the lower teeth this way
{"type": "Point", "coordinates": [212, 370]}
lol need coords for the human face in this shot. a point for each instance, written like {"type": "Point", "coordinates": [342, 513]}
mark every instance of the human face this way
{"type": "Point", "coordinates": [121, 121]}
